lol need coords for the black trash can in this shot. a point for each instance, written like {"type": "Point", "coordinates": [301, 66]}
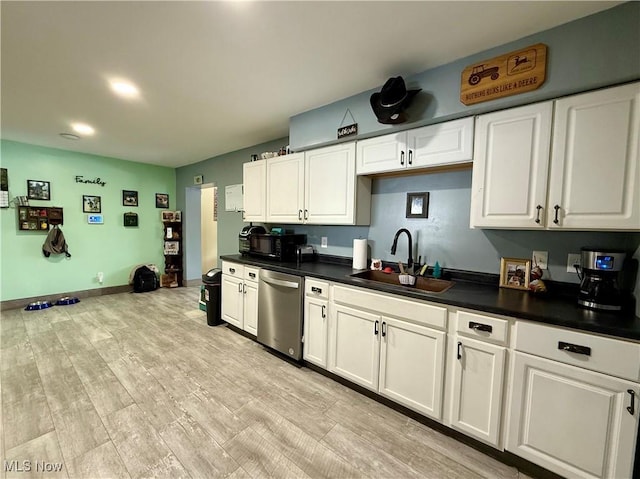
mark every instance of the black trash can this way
{"type": "Point", "coordinates": [212, 296]}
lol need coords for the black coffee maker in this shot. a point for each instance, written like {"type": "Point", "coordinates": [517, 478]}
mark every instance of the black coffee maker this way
{"type": "Point", "coordinates": [600, 286]}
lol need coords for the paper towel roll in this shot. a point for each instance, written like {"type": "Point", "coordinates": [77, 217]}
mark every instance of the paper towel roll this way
{"type": "Point", "coordinates": [359, 254]}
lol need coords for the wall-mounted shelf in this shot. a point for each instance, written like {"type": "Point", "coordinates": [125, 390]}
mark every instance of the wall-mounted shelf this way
{"type": "Point", "coordinates": [38, 218]}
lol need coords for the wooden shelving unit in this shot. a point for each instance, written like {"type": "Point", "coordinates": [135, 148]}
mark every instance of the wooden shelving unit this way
{"type": "Point", "coordinates": [173, 262]}
{"type": "Point", "coordinates": [38, 218]}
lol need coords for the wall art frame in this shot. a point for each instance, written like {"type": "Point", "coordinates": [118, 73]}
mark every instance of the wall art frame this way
{"type": "Point", "coordinates": [129, 198]}
{"type": "Point", "coordinates": [417, 205]}
{"type": "Point", "coordinates": [38, 190]}
{"type": "Point", "coordinates": [91, 204]}
{"type": "Point", "coordinates": [162, 200]}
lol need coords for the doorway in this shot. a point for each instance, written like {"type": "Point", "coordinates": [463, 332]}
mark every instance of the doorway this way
{"type": "Point", "coordinates": [200, 230]}
{"type": "Point", "coordinates": [208, 228]}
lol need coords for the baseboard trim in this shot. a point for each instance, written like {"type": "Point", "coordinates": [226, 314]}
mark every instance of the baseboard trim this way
{"type": "Point", "coordinates": [86, 293]}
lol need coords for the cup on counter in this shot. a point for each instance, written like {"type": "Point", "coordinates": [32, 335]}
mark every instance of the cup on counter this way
{"type": "Point", "coordinates": [254, 157]}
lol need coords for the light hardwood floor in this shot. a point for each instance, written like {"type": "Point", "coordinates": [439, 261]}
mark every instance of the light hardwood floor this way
{"type": "Point", "coordinates": [137, 385]}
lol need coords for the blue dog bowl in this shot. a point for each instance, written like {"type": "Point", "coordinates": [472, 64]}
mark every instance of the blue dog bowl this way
{"type": "Point", "coordinates": [66, 300]}
{"type": "Point", "coordinates": [38, 305]}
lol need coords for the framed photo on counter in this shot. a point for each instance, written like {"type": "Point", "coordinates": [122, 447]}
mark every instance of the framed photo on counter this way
{"type": "Point", "coordinates": [514, 273]}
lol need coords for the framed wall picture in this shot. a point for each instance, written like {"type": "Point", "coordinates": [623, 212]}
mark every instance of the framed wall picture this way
{"type": "Point", "coordinates": [417, 205]}
{"type": "Point", "coordinates": [129, 198]}
{"type": "Point", "coordinates": [91, 204]}
{"type": "Point", "coordinates": [38, 190]}
{"type": "Point", "coordinates": [131, 219]}
{"type": "Point", "coordinates": [514, 273]}
{"type": "Point", "coordinates": [162, 200]}
{"type": "Point", "coordinates": [167, 215]}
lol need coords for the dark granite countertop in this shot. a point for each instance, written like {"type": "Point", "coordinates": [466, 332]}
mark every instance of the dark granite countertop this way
{"type": "Point", "coordinates": [549, 309]}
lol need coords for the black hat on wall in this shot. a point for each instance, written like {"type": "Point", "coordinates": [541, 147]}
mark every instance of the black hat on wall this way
{"type": "Point", "coordinates": [393, 99]}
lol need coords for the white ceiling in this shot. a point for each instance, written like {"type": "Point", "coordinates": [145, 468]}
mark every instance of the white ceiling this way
{"type": "Point", "coordinates": [220, 76]}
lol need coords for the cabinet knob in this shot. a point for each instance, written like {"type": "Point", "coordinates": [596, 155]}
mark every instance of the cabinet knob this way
{"type": "Point", "coordinates": [402, 158]}
{"type": "Point", "coordinates": [459, 350]}
{"type": "Point", "coordinates": [410, 157]}
{"type": "Point", "coordinates": [384, 328]}
{"type": "Point", "coordinates": [375, 327]}
{"type": "Point", "coordinates": [538, 208]}
{"type": "Point", "coordinates": [300, 215]}
{"type": "Point", "coordinates": [324, 311]}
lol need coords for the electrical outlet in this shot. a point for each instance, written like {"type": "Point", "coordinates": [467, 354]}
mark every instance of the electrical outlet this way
{"type": "Point", "coordinates": [540, 258]}
{"type": "Point", "coordinates": [324, 242]}
{"type": "Point", "coordinates": [572, 260]}
{"type": "Point", "coordinates": [100, 277]}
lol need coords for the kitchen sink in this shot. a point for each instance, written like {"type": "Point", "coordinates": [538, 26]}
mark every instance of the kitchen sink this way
{"type": "Point", "coordinates": [430, 285]}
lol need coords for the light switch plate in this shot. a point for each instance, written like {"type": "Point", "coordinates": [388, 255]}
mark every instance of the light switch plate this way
{"type": "Point", "coordinates": [540, 258]}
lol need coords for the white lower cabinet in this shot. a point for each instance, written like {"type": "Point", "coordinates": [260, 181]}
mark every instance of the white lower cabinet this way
{"type": "Point", "coordinates": [478, 373]}
{"type": "Point", "coordinates": [316, 312]}
{"type": "Point", "coordinates": [412, 365]}
{"type": "Point", "coordinates": [399, 359]}
{"type": "Point", "coordinates": [478, 364]}
{"type": "Point", "coordinates": [240, 296]}
{"type": "Point", "coordinates": [572, 419]}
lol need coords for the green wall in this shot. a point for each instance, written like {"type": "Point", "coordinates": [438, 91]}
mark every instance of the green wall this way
{"type": "Point", "coordinates": [109, 248]}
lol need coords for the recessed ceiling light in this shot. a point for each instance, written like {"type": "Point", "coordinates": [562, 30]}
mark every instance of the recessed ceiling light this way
{"type": "Point", "coordinates": [82, 128]}
{"type": "Point", "coordinates": [69, 136]}
{"type": "Point", "coordinates": [124, 88]}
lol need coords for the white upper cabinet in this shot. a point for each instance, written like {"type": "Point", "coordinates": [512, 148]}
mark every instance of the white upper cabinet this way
{"type": "Point", "coordinates": [511, 159]}
{"type": "Point", "coordinates": [254, 190]}
{"type": "Point", "coordinates": [285, 189]}
{"type": "Point", "coordinates": [594, 182]}
{"type": "Point", "coordinates": [317, 187]}
{"type": "Point", "coordinates": [434, 145]}
{"type": "Point", "coordinates": [583, 176]}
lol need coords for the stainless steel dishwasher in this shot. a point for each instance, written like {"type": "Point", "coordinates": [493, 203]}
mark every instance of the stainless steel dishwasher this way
{"type": "Point", "coordinates": [280, 309]}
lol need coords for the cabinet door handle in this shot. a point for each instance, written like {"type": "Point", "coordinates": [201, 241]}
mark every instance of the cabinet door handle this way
{"type": "Point", "coordinates": [300, 215]}
{"type": "Point", "coordinates": [410, 157]}
{"type": "Point", "coordinates": [402, 158]}
{"type": "Point", "coordinates": [555, 218]}
{"type": "Point", "coordinates": [539, 207]}
{"type": "Point", "coordinates": [324, 314]}
{"type": "Point", "coordinates": [239, 287]}
{"type": "Point", "coordinates": [315, 289]}
{"type": "Point", "coordinates": [459, 350]}
{"type": "Point", "coordinates": [632, 408]}
{"type": "Point", "coordinates": [375, 328]}
{"type": "Point", "coordinates": [232, 270]}
{"type": "Point", "coordinates": [480, 327]}
{"type": "Point", "coordinates": [244, 288]}
{"type": "Point", "coordinates": [384, 329]}
{"type": "Point", "coordinates": [574, 348]}
{"type": "Point", "coordinates": [306, 214]}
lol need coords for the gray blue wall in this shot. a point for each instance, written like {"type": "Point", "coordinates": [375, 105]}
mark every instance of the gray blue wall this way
{"type": "Point", "coordinates": [592, 52]}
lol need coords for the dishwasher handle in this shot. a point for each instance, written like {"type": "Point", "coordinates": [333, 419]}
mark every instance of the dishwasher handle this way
{"type": "Point", "coordinates": [279, 282]}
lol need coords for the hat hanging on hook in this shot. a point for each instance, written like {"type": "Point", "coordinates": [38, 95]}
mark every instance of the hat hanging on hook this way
{"type": "Point", "coordinates": [390, 103]}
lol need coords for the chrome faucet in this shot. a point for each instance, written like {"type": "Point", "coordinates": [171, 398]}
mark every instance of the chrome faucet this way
{"type": "Point", "coordinates": [395, 245]}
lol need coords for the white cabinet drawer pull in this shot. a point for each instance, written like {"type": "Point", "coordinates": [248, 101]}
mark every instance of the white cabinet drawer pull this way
{"type": "Point", "coordinates": [574, 348]}
{"type": "Point", "coordinates": [631, 408]}
{"type": "Point", "coordinates": [480, 327]}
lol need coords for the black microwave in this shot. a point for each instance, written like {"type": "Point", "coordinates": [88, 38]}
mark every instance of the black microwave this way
{"type": "Point", "coordinates": [279, 247]}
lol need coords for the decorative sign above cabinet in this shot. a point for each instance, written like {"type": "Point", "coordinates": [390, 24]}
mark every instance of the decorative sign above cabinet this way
{"type": "Point", "coordinates": [348, 130]}
{"type": "Point", "coordinates": [95, 181]}
{"type": "Point", "coordinates": [509, 74]}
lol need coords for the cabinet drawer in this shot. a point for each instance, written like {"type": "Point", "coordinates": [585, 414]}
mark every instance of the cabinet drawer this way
{"type": "Point", "coordinates": [316, 289]}
{"type": "Point", "coordinates": [233, 269]}
{"type": "Point", "coordinates": [483, 327]}
{"type": "Point", "coordinates": [251, 273]}
{"type": "Point", "coordinates": [388, 305]}
{"type": "Point", "coordinates": [597, 353]}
